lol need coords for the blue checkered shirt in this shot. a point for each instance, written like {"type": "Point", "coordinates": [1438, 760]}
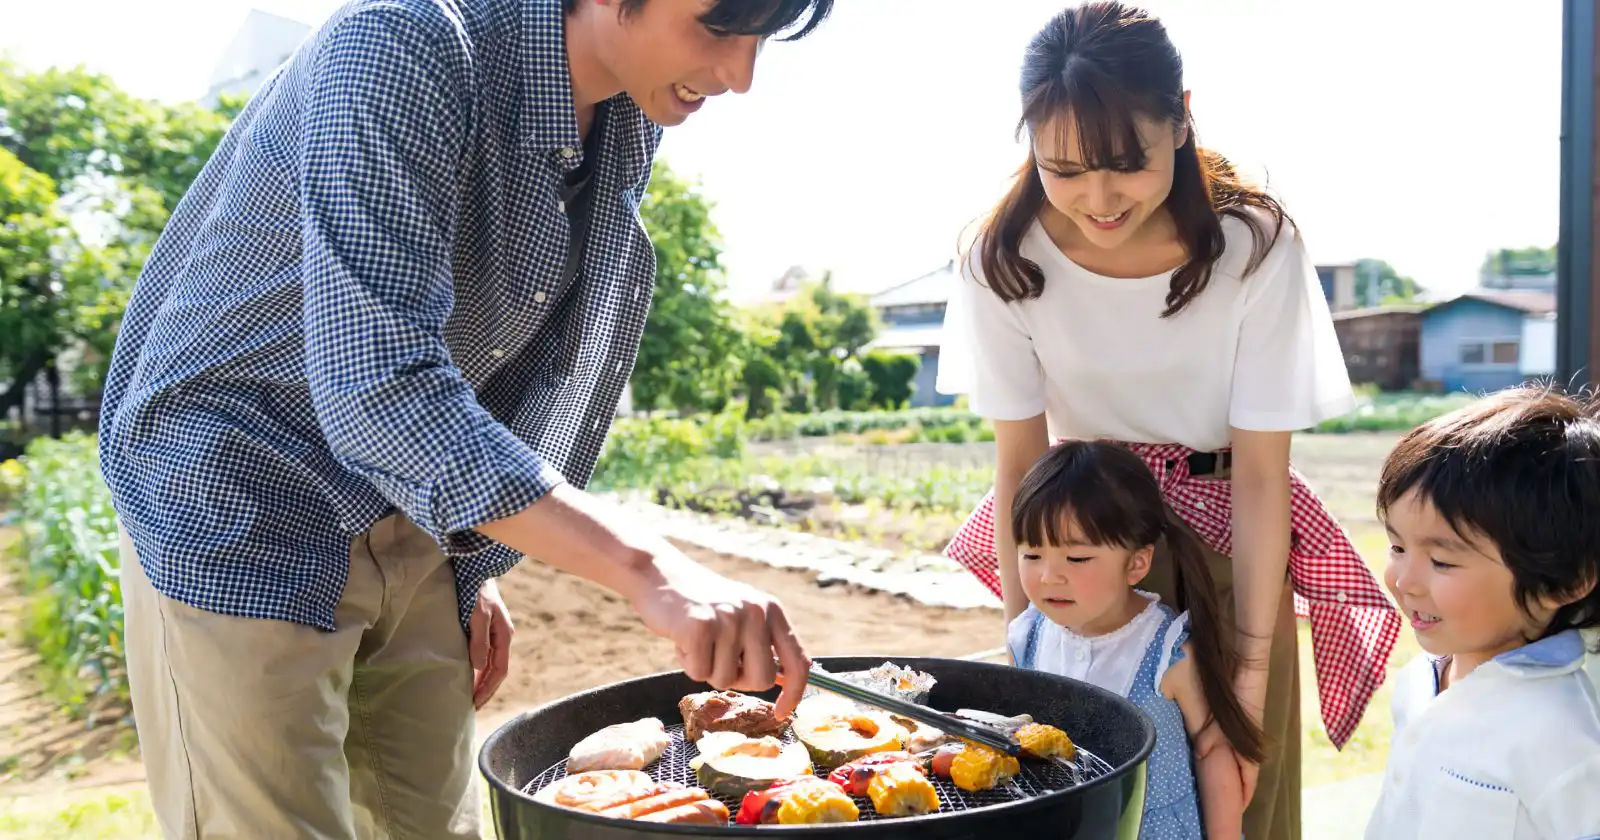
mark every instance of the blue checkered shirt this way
{"type": "Point", "coordinates": [372, 261]}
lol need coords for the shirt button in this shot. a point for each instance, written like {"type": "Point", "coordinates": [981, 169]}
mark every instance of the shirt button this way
{"type": "Point", "coordinates": [1199, 505]}
{"type": "Point", "coordinates": [1341, 597]}
{"type": "Point", "coordinates": [619, 366]}
{"type": "Point", "coordinates": [568, 153]}
{"type": "Point", "coordinates": [538, 297]}
{"type": "Point", "coordinates": [497, 353]}
{"type": "Point", "coordinates": [1080, 655]}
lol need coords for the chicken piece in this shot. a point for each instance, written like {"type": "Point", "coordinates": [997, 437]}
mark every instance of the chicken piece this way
{"type": "Point", "coordinates": [620, 746]}
{"type": "Point", "coordinates": [728, 711]}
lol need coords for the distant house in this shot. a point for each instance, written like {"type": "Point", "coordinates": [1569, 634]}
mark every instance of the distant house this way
{"type": "Point", "coordinates": [913, 322]}
{"type": "Point", "coordinates": [1338, 285]}
{"type": "Point", "coordinates": [1489, 339]}
{"type": "Point", "coordinates": [263, 43]}
{"type": "Point", "coordinates": [1381, 345]}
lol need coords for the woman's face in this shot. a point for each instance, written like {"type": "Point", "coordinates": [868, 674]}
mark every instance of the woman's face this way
{"type": "Point", "coordinates": [1109, 205]}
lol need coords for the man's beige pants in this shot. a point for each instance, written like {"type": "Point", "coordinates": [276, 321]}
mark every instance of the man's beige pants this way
{"type": "Point", "coordinates": [263, 729]}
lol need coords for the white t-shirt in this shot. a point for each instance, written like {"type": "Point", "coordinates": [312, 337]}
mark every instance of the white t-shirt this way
{"type": "Point", "coordinates": [1093, 353]}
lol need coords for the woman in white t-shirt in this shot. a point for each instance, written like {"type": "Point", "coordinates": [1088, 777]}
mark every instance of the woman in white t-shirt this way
{"type": "Point", "coordinates": [1131, 287]}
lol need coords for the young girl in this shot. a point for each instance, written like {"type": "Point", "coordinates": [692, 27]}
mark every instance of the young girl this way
{"type": "Point", "coordinates": [1086, 521]}
{"type": "Point", "coordinates": [1495, 558]}
{"type": "Point", "coordinates": [1132, 287]}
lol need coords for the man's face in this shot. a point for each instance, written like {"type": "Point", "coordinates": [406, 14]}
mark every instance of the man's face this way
{"type": "Point", "coordinates": [668, 61]}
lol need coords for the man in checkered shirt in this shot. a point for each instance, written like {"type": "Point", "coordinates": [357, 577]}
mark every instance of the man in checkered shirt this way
{"type": "Point", "coordinates": [369, 364]}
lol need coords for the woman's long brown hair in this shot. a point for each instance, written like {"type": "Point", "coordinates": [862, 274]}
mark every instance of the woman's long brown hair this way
{"type": "Point", "coordinates": [1113, 499]}
{"type": "Point", "coordinates": [1106, 64]}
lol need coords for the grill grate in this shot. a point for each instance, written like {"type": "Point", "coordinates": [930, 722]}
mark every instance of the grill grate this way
{"type": "Point", "coordinates": [1036, 779]}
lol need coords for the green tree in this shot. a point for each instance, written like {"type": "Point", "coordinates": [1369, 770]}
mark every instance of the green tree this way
{"type": "Point", "coordinates": [118, 165]}
{"type": "Point", "coordinates": [690, 354]}
{"type": "Point", "coordinates": [808, 341]}
{"type": "Point", "coordinates": [1378, 283]}
{"type": "Point", "coordinates": [1514, 262]}
{"type": "Point", "coordinates": [34, 237]}
{"type": "Point", "coordinates": [891, 376]}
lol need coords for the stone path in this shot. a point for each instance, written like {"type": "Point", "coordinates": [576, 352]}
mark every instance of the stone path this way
{"type": "Point", "coordinates": [926, 578]}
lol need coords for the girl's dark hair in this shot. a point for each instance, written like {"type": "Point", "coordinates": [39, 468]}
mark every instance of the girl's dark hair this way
{"type": "Point", "coordinates": [1113, 499]}
{"type": "Point", "coordinates": [748, 17]}
{"type": "Point", "coordinates": [1106, 64]}
{"type": "Point", "coordinates": [1520, 469]}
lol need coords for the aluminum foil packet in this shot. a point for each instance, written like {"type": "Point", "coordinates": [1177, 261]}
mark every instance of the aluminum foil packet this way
{"type": "Point", "coordinates": [890, 679]}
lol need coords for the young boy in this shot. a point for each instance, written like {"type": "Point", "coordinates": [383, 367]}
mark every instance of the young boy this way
{"type": "Point", "coordinates": [1493, 513]}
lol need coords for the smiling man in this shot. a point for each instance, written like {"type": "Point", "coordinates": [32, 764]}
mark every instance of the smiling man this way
{"type": "Point", "coordinates": [369, 364]}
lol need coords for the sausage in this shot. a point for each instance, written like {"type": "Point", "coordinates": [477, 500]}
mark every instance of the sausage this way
{"type": "Point", "coordinates": [631, 796]}
{"type": "Point", "coordinates": [704, 812]}
{"type": "Point", "coordinates": [659, 802]}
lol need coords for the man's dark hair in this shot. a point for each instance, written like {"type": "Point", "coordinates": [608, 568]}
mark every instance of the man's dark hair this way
{"type": "Point", "coordinates": [749, 17]}
{"type": "Point", "coordinates": [1521, 469]}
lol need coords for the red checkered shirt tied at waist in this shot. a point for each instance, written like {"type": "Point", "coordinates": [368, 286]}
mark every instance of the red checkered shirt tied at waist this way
{"type": "Point", "coordinates": [1354, 626]}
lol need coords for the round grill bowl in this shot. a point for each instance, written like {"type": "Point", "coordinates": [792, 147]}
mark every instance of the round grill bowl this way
{"type": "Point", "coordinates": [1106, 807]}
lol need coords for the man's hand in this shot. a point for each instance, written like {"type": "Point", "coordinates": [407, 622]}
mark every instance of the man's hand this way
{"type": "Point", "coordinates": [726, 632]}
{"type": "Point", "coordinates": [489, 643]}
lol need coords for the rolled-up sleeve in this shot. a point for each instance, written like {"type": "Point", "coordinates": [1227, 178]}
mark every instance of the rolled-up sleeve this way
{"type": "Point", "coordinates": [385, 127]}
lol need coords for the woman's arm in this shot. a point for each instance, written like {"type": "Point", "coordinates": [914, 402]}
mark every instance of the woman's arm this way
{"type": "Point", "coordinates": [1018, 444]}
{"type": "Point", "coordinates": [1217, 772]}
{"type": "Point", "coordinates": [1260, 557]}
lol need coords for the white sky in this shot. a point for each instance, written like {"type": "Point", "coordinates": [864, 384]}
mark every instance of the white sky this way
{"type": "Point", "coordinates": [1423, 132]}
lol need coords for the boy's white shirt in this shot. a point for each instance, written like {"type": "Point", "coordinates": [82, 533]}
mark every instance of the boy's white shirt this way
{"type": "Point", "coordinates": [1511, 752]}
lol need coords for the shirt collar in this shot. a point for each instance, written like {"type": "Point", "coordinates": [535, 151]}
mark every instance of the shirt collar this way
{"type": "Point", "coordinates": [548, 120]}
{"type": "Point", "coordinates": [1549, 656]}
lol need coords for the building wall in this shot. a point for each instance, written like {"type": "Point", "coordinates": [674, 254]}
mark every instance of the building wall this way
{"type": "Point", "coordinates": [1538, 345]}
{"type": "Point", "coordinates": [1382, 348]}
{"type": "Point", "coordinates": [924, 394]}
{"type": "Point", "coordinates": [1472, 345]}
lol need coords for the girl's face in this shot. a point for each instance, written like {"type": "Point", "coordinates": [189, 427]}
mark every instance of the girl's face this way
{"type": "Point", "coordinates": [1108, 206]}
{"type": "Point", "coordinates": [1082, 587]}
{"type": "Point", "coordinates": [1457, 594]}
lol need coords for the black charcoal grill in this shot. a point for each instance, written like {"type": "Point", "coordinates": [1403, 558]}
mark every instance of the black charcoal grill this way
{"type": "Point", "coordinates": [1101, 798]}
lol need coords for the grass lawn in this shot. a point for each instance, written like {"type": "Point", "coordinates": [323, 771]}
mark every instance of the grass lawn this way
{"type": "Point", "coordinates": [91, 814]}
{"type": "Point", "coordinates": [1368, 749]}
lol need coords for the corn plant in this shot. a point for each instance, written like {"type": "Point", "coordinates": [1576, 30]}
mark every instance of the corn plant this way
{"type": "Point", "coordinates": [72, 566]}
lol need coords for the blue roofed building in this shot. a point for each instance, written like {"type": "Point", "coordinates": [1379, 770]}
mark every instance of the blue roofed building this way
{"type": "Point", "coordinates": [1489, 339]}
{"type": "Point", "coordinates": [913, 322]}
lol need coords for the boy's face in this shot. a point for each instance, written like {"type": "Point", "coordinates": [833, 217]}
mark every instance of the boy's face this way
{"type": "Point", "coordinates": [1079, 586]}
{"type": "Point", "coordinates": [1455, 591]}
{"type": "Point", "coordinates": [668, 61]}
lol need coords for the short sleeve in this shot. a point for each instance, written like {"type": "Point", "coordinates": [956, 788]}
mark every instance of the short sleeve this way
{"type": "Point", "coordinates": [1172, 643]}
{"type": "Point", "coordinates": [987, 353]}
{"type": "Point", "coordinates": [1289, 373]}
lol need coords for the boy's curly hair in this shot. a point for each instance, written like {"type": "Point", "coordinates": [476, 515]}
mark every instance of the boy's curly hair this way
{"type": "Point", "coordinates": [1520, 469]}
